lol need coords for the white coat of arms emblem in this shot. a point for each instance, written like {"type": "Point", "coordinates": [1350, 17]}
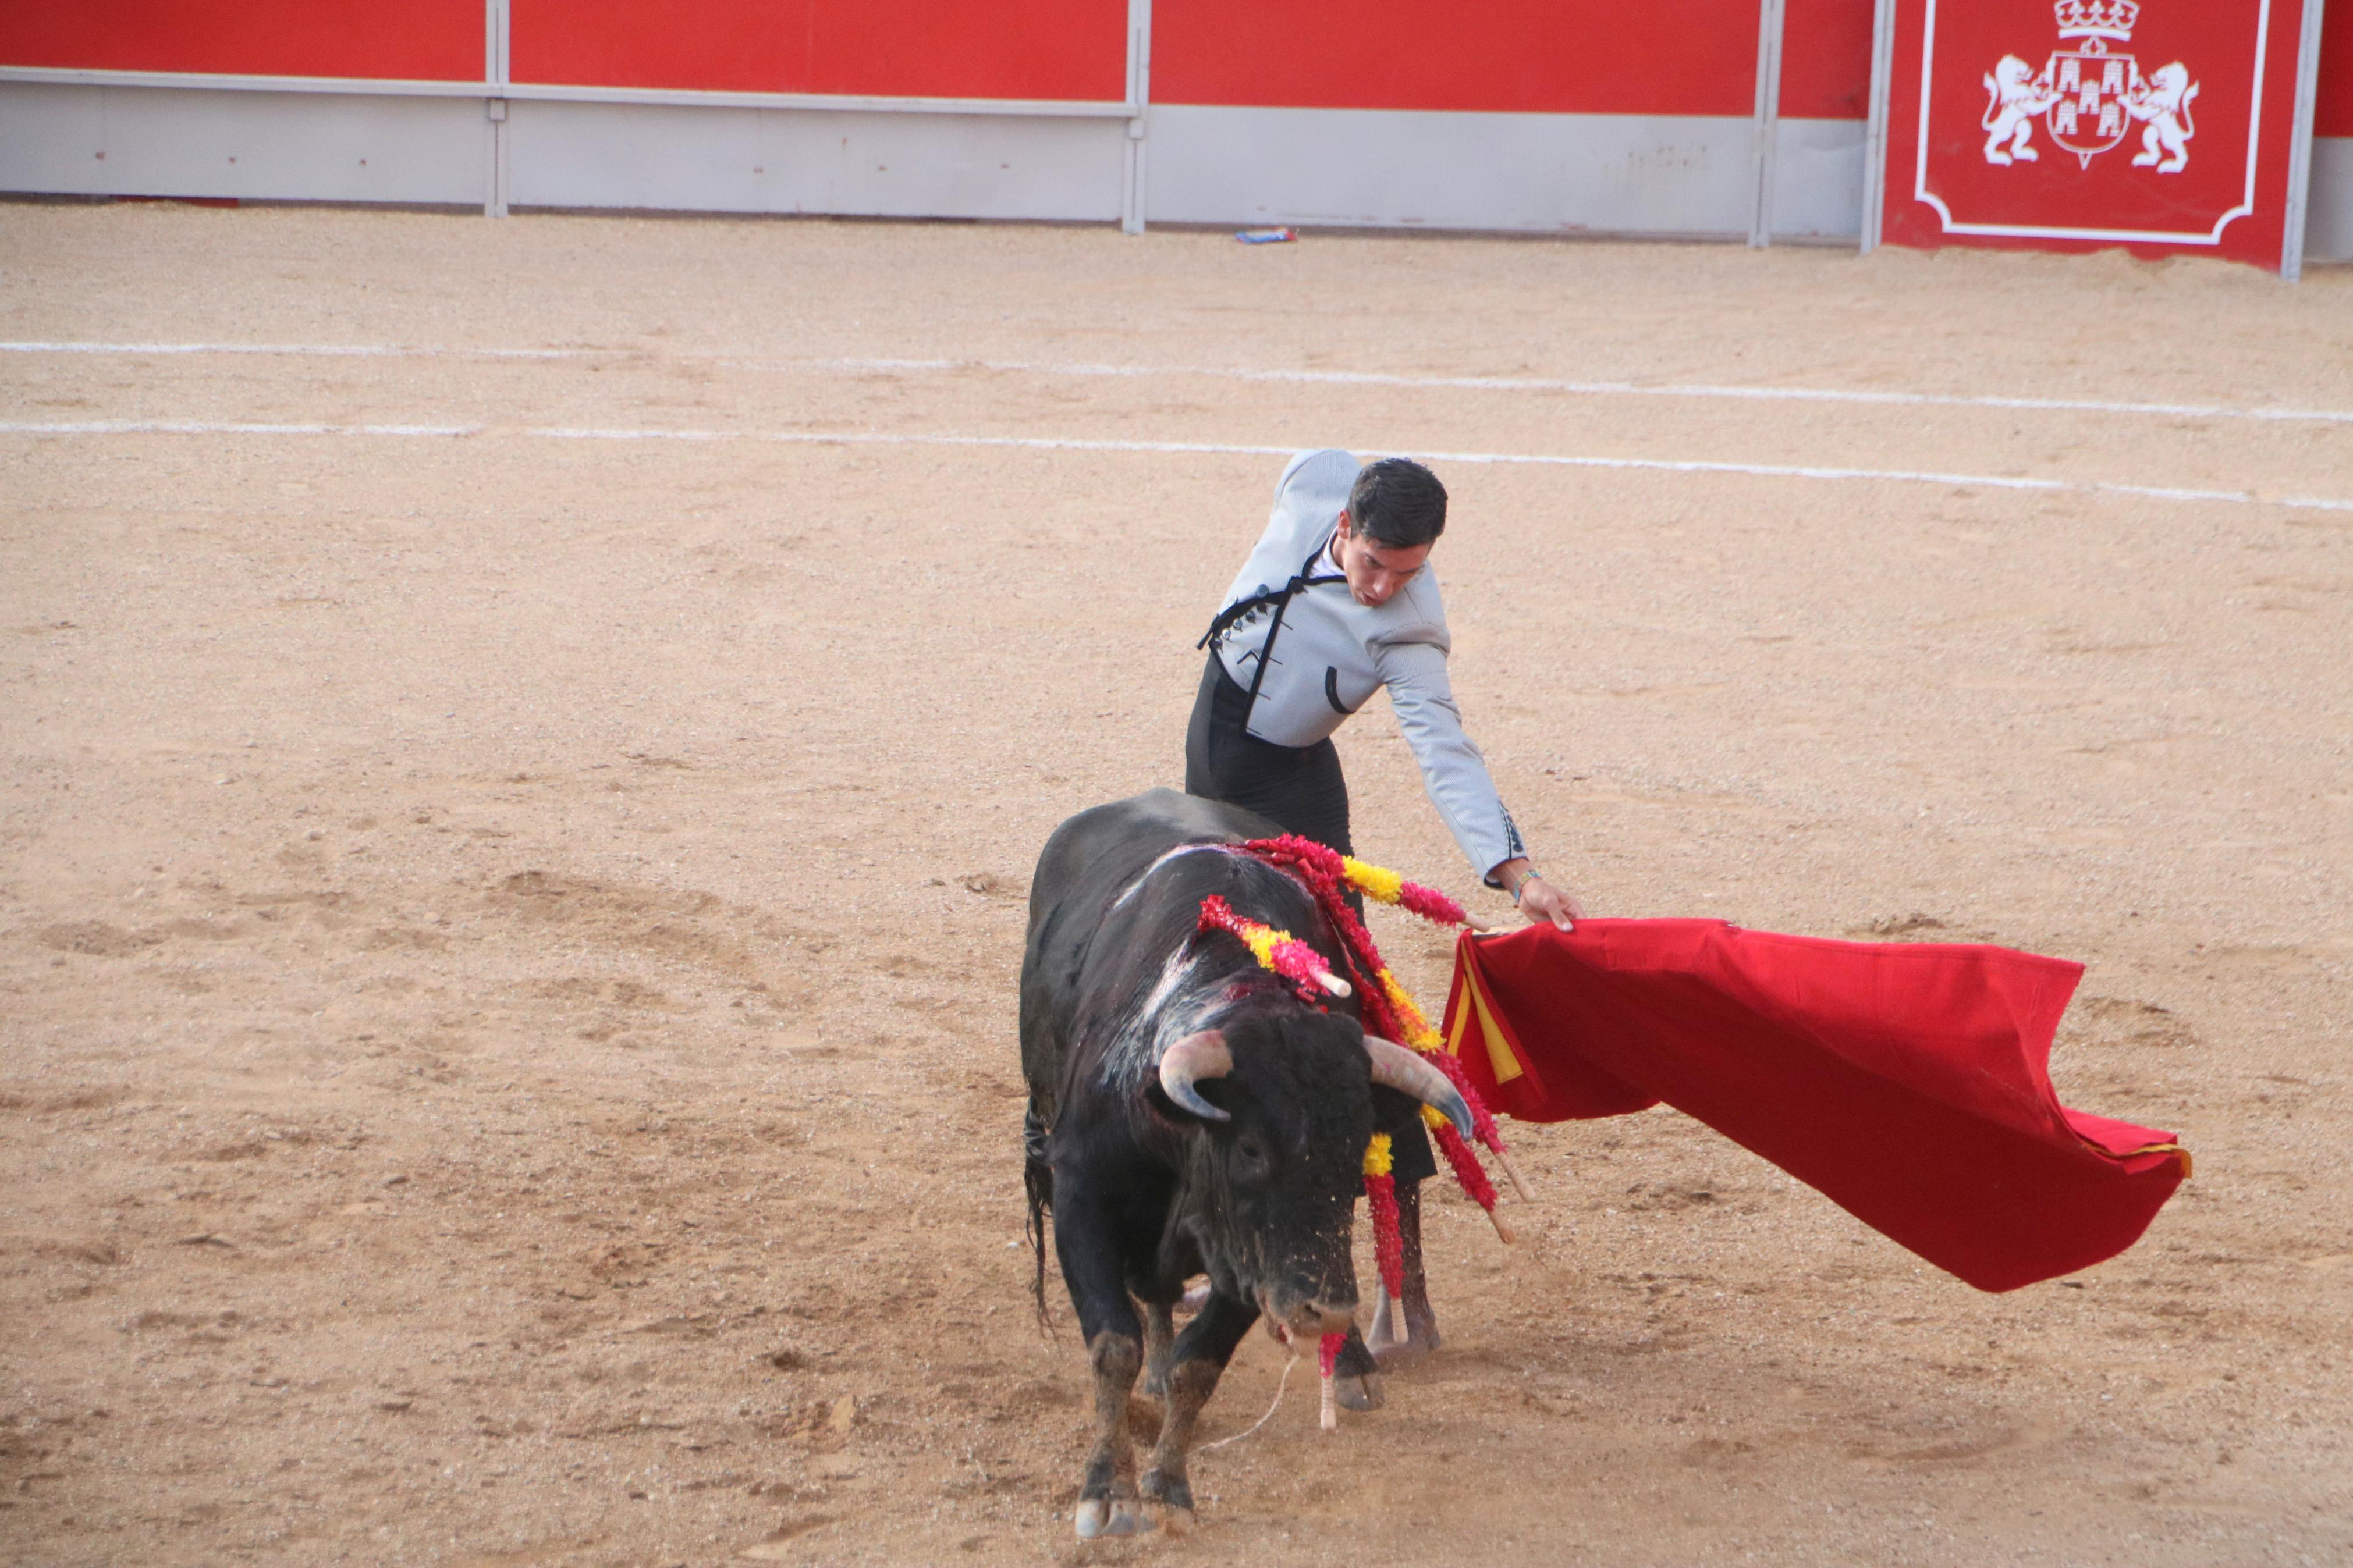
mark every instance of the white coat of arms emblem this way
{"type": "Point", "coordinates": [2089, 98]}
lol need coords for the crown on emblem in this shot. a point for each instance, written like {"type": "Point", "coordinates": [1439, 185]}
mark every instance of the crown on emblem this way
{"type": "Point", "coordinates": [2096, 18]}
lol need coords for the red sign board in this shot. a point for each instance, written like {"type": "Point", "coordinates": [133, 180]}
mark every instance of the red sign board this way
{"type": "Point", "coordinates": [417, 40]}
{"type": "Point", "coordinates": [2164, 126]}
{"type": "Point", "coordinates": [1056, 50]}
{"type": "Point", "coordinates": [1516, 57]}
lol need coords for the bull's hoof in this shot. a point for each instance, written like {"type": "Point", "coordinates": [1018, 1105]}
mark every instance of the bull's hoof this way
{"type": "Point", "coordinates": [1111, 1516]}
{"type": "Point", "coordinates": [1358, 1392]}
{"type": "Point", "coordinates": [1173, 1492]}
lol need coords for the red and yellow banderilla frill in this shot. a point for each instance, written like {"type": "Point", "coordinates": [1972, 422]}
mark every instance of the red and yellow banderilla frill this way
{"type": "Point", "coordinates": [1387, 1008]}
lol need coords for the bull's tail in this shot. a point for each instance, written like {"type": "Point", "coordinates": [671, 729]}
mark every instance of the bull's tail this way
{"type": "Point", "coordinates": [1037, 1180]}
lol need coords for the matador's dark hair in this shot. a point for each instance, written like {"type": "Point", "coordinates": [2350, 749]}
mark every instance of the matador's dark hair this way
{"type": "Point", "coordinates": [1398, 503]}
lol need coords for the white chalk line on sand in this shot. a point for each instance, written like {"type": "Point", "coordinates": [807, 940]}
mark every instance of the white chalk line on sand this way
{"type": "Point", "coordinates": [316, 351]}
{"type": "Point", "coordinates": [1245, 373]}
{"type": "Point", "coordinates": [1594, 388]}
{"type": "Point", "coordinates": [1179, 448]}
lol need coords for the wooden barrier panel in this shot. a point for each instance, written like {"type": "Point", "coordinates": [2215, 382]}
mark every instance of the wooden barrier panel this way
{"type": "Point", "coordinates": [1826, 60]}
{"type": "Point", "coordinates": [1072, 50]}
{"type": "Point", "coordinates": [1568, 57]}
{"type": "Point", "coordinates": [417, 40]}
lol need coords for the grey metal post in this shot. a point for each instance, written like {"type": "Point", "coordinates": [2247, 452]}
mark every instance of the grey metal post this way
{"type": "Point", "coordinates": [495, 77]}
{"type": "Point", "coordinates": [1766, 139]}
{"type": "Point", "coordinates": [1874, 140]}
{"type": "Point", "coordinates": [1133, 170]}
{"type": "Point", "coordinates": [2299, 154]}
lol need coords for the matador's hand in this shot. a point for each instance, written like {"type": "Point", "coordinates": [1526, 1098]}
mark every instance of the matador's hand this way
{"type": "Point", "coordinates": [1537, 898]}
{"type": "Point", "coordinates": [1540, 900]}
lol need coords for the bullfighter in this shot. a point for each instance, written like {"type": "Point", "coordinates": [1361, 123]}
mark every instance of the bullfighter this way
{"type": "Point", "coordinates": [1337, 601]}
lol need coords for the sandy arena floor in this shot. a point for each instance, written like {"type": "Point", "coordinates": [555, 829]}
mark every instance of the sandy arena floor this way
{"type": "Point", "coordinates": [507, 940]}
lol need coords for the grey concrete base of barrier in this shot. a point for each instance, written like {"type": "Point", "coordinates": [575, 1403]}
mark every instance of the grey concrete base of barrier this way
{"type": "Point", "coordinates": [1682, 175]}
{"type": "Point", "coordinates": [2328, 224]}
{"type": "Point", "coordinates": [261, 146]}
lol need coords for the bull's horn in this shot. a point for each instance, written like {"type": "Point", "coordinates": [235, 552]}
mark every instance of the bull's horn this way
{"type": "Point", "coordinates": [1406, 1070]}
{"type": "Point", "coordinates": [1191, 1060]}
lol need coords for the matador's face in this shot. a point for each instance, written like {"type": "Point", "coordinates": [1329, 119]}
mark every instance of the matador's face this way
{"type": "Point", "coordinates": [1375, 571]}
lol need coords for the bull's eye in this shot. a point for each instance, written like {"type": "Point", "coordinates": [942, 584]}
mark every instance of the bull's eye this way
{"type": "Point", "coordinates": [1252, 1155]}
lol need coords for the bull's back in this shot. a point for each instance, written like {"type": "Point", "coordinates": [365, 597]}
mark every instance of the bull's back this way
{"type": "Point", "coordinates": [1088, 863]}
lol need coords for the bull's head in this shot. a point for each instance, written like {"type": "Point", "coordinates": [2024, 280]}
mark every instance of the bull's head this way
{"type": "Point", "coordinates": [1284, 1107]}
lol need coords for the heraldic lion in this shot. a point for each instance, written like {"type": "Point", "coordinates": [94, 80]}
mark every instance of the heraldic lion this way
{"type": "Point", "coordinates": [2164, 100]}
{"type": "Point", "coordinates": [2017, 98]}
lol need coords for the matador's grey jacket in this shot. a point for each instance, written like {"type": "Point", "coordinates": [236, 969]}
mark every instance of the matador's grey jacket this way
{"type": "Point", "coordinates": [1331, 654]}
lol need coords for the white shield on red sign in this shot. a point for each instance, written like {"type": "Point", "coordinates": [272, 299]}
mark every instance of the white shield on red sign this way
{"type": "Point", "coordinates": [2092, 89]}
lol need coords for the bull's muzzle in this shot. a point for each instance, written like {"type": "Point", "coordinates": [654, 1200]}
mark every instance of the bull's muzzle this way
{"type": "Point", "coordinates": [1305, 1318]}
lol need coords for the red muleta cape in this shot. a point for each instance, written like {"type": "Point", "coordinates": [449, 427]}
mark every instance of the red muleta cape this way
{"type": "Point", "coordinates": [1904, 1081]}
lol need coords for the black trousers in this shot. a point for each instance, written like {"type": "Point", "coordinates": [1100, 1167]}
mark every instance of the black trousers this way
{"type": "Point", "coordinates": [1299, 787]}
{"type": "Point", "coordinates": [1302, 790]}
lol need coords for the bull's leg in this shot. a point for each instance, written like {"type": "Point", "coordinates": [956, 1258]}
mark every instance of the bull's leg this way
{"type": "Point", "coordinates": [1405, 1344]}
{"type": "Point", "coordinates": [1107, 1498]}
{"type": "Point", "coordinates": [1202, 1352]}
{"type": "Point", "coordinates": [1357, 1375]}
{"type": "Point", "coordinates": [1159, 1347]}
{"type": "Point", "coordinates": [1420, 1316]}
{"type": "Point", "coordinates": [1086, 1240]}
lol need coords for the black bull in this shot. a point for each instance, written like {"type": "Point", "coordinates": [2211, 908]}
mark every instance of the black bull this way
{"type": "Point", "coordinates": [1188, 1115]}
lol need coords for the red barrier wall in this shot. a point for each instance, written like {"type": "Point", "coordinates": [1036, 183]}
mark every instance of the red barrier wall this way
{"type": "Point", "coordinates": [416, 40]}
{"type": "Point", "coordinates": [918, 48]}
{"type": "Point", "coordinates": [1826, 60]}
{"type": "Point", "coordinates": [1554, 56]}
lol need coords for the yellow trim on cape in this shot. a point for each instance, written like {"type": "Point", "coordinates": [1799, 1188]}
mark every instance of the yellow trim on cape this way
{"type": "Point", "coordinates": [1500, 1057]}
